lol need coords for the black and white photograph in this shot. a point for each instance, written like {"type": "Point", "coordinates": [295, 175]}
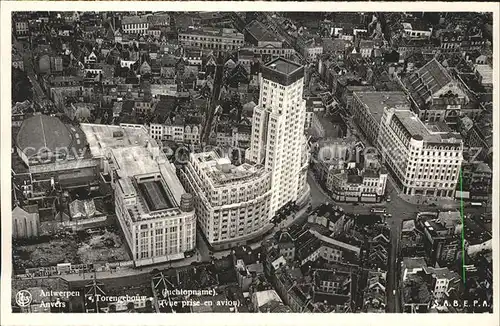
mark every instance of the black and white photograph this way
{"type": "Point", "coordinates": [251, 161]}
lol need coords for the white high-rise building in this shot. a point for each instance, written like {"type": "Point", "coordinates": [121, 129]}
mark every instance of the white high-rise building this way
{"type": "Point", "coordinates": [231, 202]}
{"type": "Point", "coordinates": [278, 140]}
{"type": "Point", "coordinates": [425, 158]}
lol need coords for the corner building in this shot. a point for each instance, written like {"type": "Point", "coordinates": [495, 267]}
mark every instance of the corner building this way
{"type": "Point", "coordinates": [278, 140]}
{"type": "Point", "coordinates": [156, 215]}
{"type": "Point", "coordinates": [231, 202]}
{"type": "Point", "coordinates": [425, 158]}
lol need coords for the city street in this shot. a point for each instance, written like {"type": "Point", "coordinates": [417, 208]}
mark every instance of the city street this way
{"type": "Point", "coordinates": [24, 50]}
{"type": "Point", "coordinates": [400, 211]}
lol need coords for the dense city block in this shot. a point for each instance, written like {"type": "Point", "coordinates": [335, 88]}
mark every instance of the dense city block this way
{"type": "Point", "coordinates": [189, 162]}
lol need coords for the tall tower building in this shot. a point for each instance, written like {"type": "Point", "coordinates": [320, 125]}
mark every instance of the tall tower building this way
{"type": "Point", "coordinates": [278, 140]}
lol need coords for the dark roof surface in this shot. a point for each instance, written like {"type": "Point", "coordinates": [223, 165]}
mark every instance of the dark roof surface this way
{"type": "Point", "coordinates": [428, 80]}
{"type": "Point", "coordinates": [42, 131]}
{"type": "Point", "coordinates": [261, 33]}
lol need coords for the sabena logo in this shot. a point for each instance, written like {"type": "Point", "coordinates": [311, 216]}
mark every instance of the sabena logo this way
{"type": "Point", "coordinates": [23, 298]}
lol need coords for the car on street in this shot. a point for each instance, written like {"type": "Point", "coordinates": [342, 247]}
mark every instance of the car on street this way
{"type": "Point", "coordinates": [388, 199]}
{"type": "Point", "coordinates": [387, 215]}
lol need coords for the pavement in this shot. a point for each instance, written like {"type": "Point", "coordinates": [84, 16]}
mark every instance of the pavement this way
{"type": "Point", "coordinates": [126, 272]}
{"type": "Point", "coordinates": [441, 202]}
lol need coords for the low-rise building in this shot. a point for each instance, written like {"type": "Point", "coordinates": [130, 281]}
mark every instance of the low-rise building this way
{"type": "Point", "coordinates": [374, 294]}
{"type": "Point", "coordinates": [313, 105]}
{"type": "Point", "coordinates": [416, 296]}
{"type": "Point", "coordinates": [271, 51]}
{"type": "Point", "coordinates": [311, 245]}
{"type": "Point", "coordinates": [367, 185]}
{"type": "Point", "coordinates": [417, 29]}
{"type": "Point", "coordinates": [311, 48]}
{"type": "Point", "coordinates": [158, 20]}
{"type": "Point", "coordinates": [330, 217]}
{"type": "Point", "coordinates": [268, 301]}
{"type": "Point", "coordinates": [484, 73]}
{"type": "Point", "coordinates": [366, 48]}
{"type": "Point", "coordinates": [181, 130]}
{"type": "Point", "coordinates": [17, 61]}
{"type": "Point", "coordinates": [442, 280]}
{"type": "Point", "coordinates": [442, 242]}
{"type": "Point", "coordinates": [22, 28]}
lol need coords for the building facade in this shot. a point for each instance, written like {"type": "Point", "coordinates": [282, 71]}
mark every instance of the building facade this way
{"type": "Point", "coordinates": [272, 51]}
{"type": "Point", "coordinates": [232, 202]}
{"type": "Point", "coordinates": [155, 213]}
{"type": "Point", "coordinates": [221, 39]}
{"type": "Point", "coordinates": [368, 186]}
{"type": "Point", "coordinates": [278, 139]}
{"type": "Point", "coordinates": [189, 134]}
{"type": "Point", "coordinates": [22, 28]}
{"type": "Point", "coordinates": [135, 25]}
{"type": "Point", "coordinates": [425, 158]}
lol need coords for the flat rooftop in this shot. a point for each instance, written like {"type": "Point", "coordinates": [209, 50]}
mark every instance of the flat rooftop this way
{"type": "Point", "coordinates": [414, 262]}
{"type": "Point", "coordinates": [433, 227]}
{"type": "Point", "coordinates": [284, 66]}
{"type": "Point", "coordinates": [101, 138]}
{"type": "Point", "coordinates": [222, 172]}
{"type": "Point", "coordinates": [430, 133]}
{"type": "Point", "coordinates": [133, 161]}
{"type": "Point", "coordinates": [375, 102]}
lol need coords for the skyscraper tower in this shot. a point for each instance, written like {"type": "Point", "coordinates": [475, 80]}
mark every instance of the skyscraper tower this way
{"type": "Point", "coordinates": [278, 141]}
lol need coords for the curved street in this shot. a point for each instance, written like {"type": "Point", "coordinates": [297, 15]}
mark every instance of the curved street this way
{"type": "Point", "coordinates": [400, 210]}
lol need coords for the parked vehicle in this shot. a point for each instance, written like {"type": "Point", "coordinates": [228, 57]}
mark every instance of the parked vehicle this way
{"type": "Point", "coordinates": [476, 204]}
